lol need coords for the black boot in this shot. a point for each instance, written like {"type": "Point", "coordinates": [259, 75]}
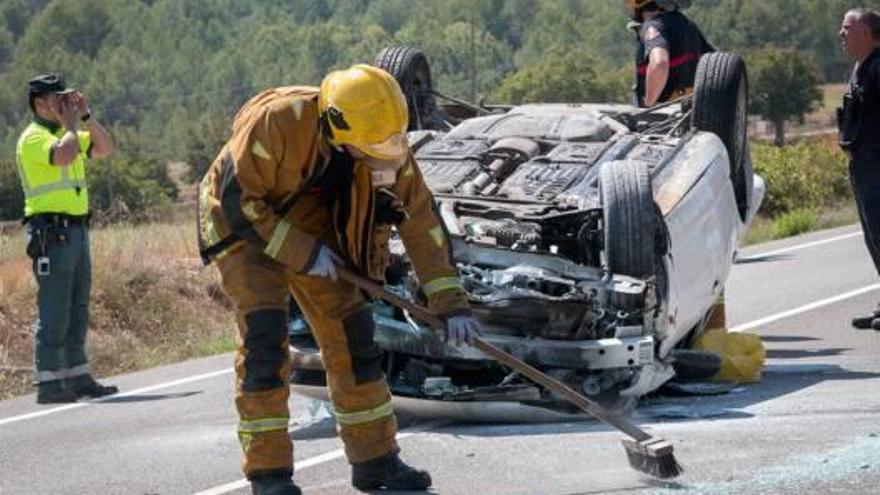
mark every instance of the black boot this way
{"type": "Point", "coordinates": [54, 392]}
{"type": "Point", "coordinates": [863, 322]}
{"type": "Point", "coordinates": [275, 484]}
{"type": "Point", "coordinates": [86, 386]}
{"type": "Point", "coordinates": [388, 472]}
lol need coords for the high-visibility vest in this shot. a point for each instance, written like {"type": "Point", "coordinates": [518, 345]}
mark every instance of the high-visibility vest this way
{"type": "Point", "coordinates": [51, 188]}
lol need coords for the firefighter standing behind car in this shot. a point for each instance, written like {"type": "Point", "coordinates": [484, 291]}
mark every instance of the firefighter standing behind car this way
{"type": "Point", "coordinates": [670, 46]}
{"type": "Point", "coordinates": [312, 178]}
{"type": "Point", "coordinates": [51, 155]}
{"type": "Point", "coordinates": [859, 123]}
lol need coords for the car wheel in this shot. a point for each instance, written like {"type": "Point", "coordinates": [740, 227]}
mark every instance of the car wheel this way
{"type": "Point", "coordinates": [629, 219]}
{"type": "Point", "coordinates": [411, 70]}
{"type": "Point", "coordinates": [720, 106]}
{"type": "Point", "coordinates": [694, 365]}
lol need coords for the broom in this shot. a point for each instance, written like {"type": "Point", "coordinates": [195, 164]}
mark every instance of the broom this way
{"type": "Point", "coordinates": [646, 453]}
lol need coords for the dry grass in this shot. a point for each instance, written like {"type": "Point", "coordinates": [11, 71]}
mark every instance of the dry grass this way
{"type": "Point", "coordinates": [152, 303]}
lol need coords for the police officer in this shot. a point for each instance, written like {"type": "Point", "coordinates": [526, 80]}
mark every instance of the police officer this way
{"type": "Point", "coordinates": [670, 46]}
{"type": "Point", "coordinates": [859, 124]}
{"type": "Point", "coordinates": [310, 179]}
{"type": "Point", "coordinates": [51, 155]}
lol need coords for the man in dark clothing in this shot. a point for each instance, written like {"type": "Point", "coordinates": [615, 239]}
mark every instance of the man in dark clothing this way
{"type": "Point", "coordinates": [670, 46]}
{"type": "Point", "coordinates": [859, 124]}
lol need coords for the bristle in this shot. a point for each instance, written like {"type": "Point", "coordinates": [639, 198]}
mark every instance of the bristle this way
{"type": "Point", "coordinates": [663, 466]}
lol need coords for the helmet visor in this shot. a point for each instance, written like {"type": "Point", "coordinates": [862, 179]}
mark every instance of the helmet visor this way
{"type": "Point", "coordinates": [392, 148]}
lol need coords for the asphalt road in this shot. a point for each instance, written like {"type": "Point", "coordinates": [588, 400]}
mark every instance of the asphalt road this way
{"type": "Point", "coordinates": [812, 425]}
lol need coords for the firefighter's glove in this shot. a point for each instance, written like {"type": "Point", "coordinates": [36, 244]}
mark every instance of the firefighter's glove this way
{"type": "Point", "coordinates": [325, 264]}
{"type": "Point", "coordinates": [461, 329]}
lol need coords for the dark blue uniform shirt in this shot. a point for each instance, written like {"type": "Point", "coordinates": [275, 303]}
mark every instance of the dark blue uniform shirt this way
{"type": "Point", "coordinates": [859, 118]}
{"type": "Point", "coordinates": [685, 43]}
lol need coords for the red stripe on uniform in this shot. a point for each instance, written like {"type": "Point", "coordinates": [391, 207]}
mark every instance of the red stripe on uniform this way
{"type": "Point", "coordinates": [676, 62]}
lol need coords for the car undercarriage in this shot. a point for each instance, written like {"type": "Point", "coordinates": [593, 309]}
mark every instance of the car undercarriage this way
{"type": "Point", "coordinates": [567, 223]}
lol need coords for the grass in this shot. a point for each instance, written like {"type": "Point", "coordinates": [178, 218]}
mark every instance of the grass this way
{"type": "Point", "coordinates": [765, 229]}
{"type": "Point", "coordinates": [152, 303]}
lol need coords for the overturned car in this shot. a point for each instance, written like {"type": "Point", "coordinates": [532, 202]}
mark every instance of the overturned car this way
{"type": "Point", "coordinates": [592, 241]}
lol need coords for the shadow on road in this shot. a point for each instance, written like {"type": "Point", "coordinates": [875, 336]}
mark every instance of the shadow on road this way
{"type": "Point", "coordinates": [787, 338]}
{"type": "Point", "coordinates": [125, 399]}
{"type": "Point", "coordinates": [805, 353]}
{"type": "Point", "coordinates": [323, 428]}
{"type": "Point", "coordinates": [326, 428]}
{"type": "Point", "coordinates": [778, 380]}
{"type": "Point", "coordinates": [745, 260]}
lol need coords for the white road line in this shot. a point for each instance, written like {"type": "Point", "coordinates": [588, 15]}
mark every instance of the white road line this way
{"type": "Point", "coordinates": [739, 328]}
{"type": "Point", "coordinates": [803, 309]}
{"type": "Point", "coordinates": [182, 381]}
{"type": "Point", "coordinates": [805, 245]}
{"type": "Point", "coordinates": [318, 459]}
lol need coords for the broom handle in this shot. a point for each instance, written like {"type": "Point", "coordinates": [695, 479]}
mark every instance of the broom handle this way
{"type": "Point", "coordinates": [500, 355]}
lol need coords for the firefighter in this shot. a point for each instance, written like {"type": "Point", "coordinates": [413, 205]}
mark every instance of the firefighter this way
{"type": "Point", "coordinates": [859, 124]}
{"type": "Point", "coordinates": [52, 153]}
{"type": "Point", "coordinates": [313, 178]}
{"type": "Point", "coordinates": [670, 46]}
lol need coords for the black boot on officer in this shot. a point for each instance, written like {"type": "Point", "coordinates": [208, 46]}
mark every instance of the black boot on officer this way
{"type": "Point", "coordinates": [389, 473]}
{"type": "Point", "coordinates": [866, 321]}
{"type": "Point", "coordinates": [55, 392]}
{"type": "Point", "coordinates": [87, 386]}
{"type": "Point", "coordinates": [274, 484]}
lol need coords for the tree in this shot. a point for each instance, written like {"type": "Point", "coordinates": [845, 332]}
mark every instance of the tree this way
{"type": "Point", "coordinates": [564, 77]}
{"type": "Point", "coordinates": [784, 85]}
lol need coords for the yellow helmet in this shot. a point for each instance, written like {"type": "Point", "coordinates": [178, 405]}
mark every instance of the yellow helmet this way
{"type": "Point", "coordinates": [364, 107]}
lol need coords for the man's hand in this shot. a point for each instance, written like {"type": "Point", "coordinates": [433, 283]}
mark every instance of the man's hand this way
{"type": "Point", "coordinates": [81, 103]}
{"type": "Point", "coordinates": [68, 112]}
{"type": "Point", "coordinates": [462, 329]}
{"type": "Point", "coordinates": [325, 264]}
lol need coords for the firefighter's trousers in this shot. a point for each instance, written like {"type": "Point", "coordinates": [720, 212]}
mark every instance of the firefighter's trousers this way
{"type": "Point", "coordinates": [343, 326]}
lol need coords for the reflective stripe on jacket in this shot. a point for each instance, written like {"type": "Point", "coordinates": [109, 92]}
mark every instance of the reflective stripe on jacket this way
{"type": "Point", "coordinates": [51, 188]}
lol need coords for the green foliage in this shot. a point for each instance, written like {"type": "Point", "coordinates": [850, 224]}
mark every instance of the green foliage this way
{"type": "Point", "coordinates": [11, 194]}
{"type": "Point", "coordinates": [807, 175]}
{"type": "Point", "coordinates": [784, 85]}
{"type": "Point", "coordinates": [794, 223]}
{"type": "Point", "coordinates": [563, 78]}
{"type": "Point", "coordinates": [131, 185]}
{"type": "Point", "coordinates": [174, 72]}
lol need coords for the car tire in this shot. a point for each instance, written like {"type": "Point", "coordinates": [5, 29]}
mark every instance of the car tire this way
{"type": "Point", "coordinates": [413, 73]}
{"type": "Point", "coordinates": [720, 106]}
{"type": "Point", "coordinates": [694, 365]}
{"type": "Point", "coordinates": [629, 218]}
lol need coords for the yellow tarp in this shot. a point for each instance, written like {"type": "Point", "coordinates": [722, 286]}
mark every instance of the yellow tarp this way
{"type": "Point", "coordinates": [742, 354]}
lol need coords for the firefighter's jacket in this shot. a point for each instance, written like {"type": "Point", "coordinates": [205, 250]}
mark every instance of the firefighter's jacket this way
{"type": "Point", "coordinates": [277, 183]}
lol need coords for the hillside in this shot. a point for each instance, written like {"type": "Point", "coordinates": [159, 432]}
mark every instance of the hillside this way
{"type": "Point", "coordinates": [168, 74]}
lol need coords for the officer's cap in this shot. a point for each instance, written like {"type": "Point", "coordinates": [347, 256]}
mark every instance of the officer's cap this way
{"type": "Point", "coordinates": [48, 83]}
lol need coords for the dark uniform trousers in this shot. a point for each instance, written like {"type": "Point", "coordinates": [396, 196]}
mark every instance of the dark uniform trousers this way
{"type": "Point", "coordinates": [64, 280]}
{"type": "Point", "coordinates": [864, 173]}
{"type": "Point", "coordinates": [341, 322]}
